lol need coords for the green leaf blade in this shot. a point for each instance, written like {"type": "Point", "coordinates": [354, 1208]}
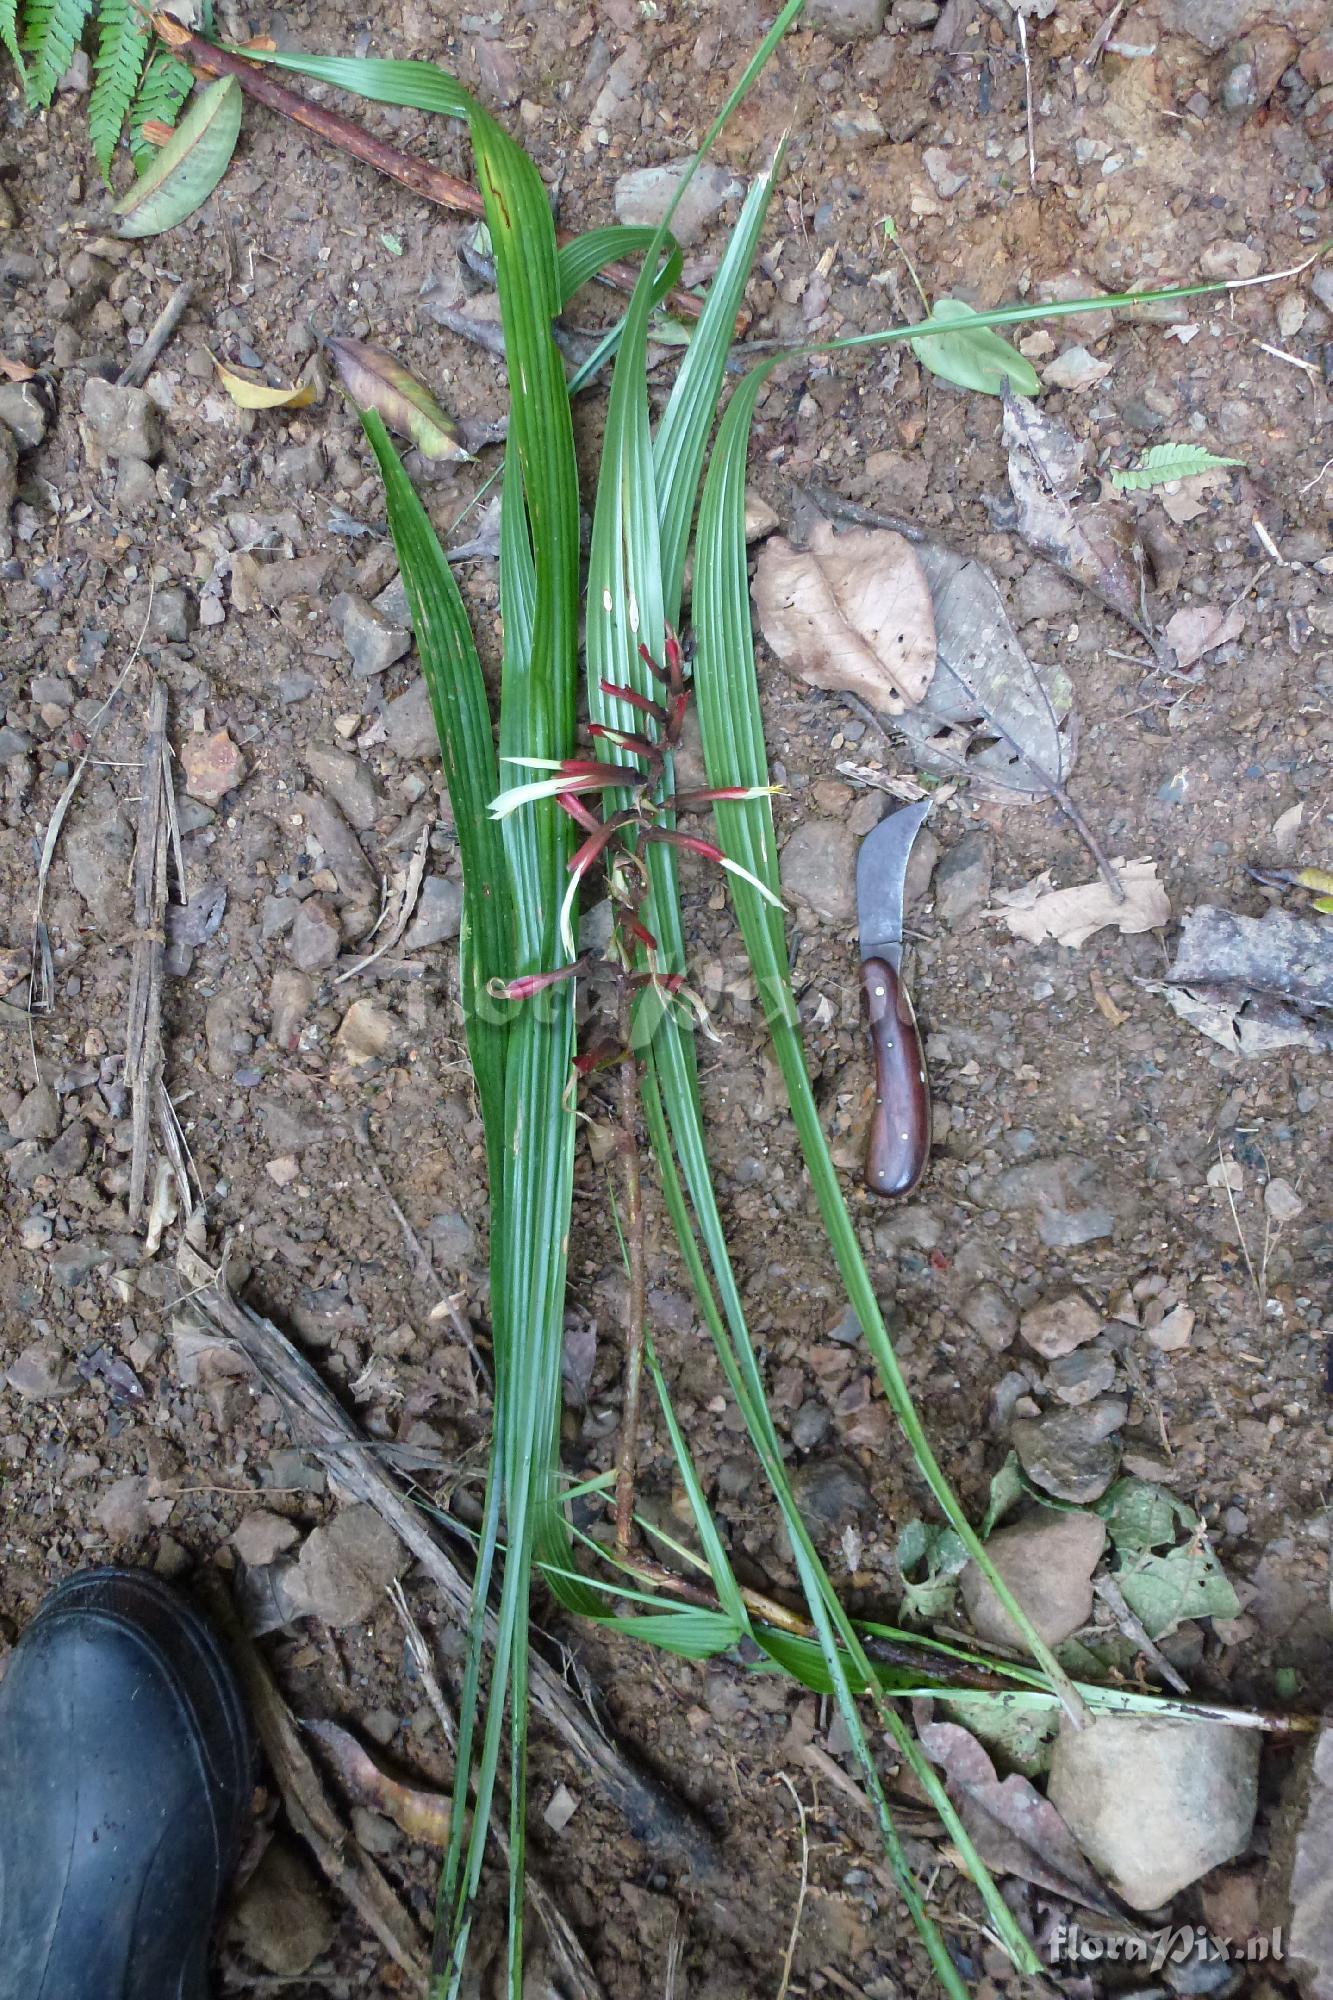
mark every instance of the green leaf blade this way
{"type": "Point", "coordinates": [971, 357]}
{"type": "Point", "coordinates": [189, 166]}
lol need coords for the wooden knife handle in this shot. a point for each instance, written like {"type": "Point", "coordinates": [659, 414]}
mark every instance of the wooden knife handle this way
{"type": "Point", "coordinates": [898, 1142]}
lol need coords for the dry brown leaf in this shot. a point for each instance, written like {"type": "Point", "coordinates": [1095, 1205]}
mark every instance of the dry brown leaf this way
{"type": "Point", "coordinates": [852, 613]}
{"type": "Point", "coordinates": [1016, 1830]}
{"type": "Point", "coordinates": [1093, 542]}
{"type": "Point", "coordinates": [1075, 370]}
{"type": "Point", "coordinates": [251, 392]}
{"type": "Point", "coordinates": [422, 1815]}
{"type": "Point", "coordinates": [1200, 629]}
{"type": "Point", "coordinates": [1070, 916]}
{"type": "Point", "coordinates": [15, 371]}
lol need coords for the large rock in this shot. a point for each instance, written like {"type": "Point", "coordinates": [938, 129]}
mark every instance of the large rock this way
{"type": "Point", "coordinates": [1047, 1563]}
{"type": "Point", "coordinates": [845, 20]}
{"type": "Point", "coordinates": [1072, 1453]}
{"type": "Point", "coordinates": [1310, 1890]}
{"type": "Point", "coordinates": [1155, 1804]}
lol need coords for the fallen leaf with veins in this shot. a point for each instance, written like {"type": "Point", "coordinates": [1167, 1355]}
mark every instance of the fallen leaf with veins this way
{"type": "Point", "coordinates": [251, 392]}
{"type": "Point", "coordinates": [15, 371]}
{"type": "Point", "coordinates": [376, 380]}
{"type": "Point", "coordinates": [422, 1815]}
{"type": "Point", "coordinates": [1016, 1831]}
{"type": "Point", "coordinates": [850, 613]}
{"type": "Point", "coordinates": [1071, 916]}
{"type": "Point", "coordinates": [1200, 629]}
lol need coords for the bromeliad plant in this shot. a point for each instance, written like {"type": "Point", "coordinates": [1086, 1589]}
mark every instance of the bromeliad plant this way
{"type": "Point", "coordinates": [522, 870]}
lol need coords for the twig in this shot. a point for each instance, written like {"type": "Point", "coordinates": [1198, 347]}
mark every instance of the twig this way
{"type": "Point", "coordinates": [416, 869]}
{"type": "Point", "coordinates": [430, 182]}
{"type": "Point", "coordinates": [307, 1804]}
{"type": "Point", "coordinates": [1103, 35]}
{"type": "Point", "coordinates": [572, 1962]}
{"type": "Point", "coordinates": [1137, 1632]}
{"type": "Point", "coordinates": [1021, 19]}
{"type": "Point", "coordinates": [143, 1032]}
{"type": "Point", "coordinates": [789, 1955]}
{"type": "Point", "coordinates": [137, 369]}
{"type": "Point", "coordinates": [319, 1422]}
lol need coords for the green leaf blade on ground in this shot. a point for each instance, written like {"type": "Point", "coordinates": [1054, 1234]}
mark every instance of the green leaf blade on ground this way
{"type": "Point", "coordinates": [1187, 1582]}
{"type": "Point", "coordinates": [969, 356]}
{"type": "Point", "coordinates": [188, 167]}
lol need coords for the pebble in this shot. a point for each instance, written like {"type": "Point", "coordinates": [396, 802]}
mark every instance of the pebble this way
{"type": "Point", "coordinates": [136, 486]}
{"type": "Point", "coordinates": [944, 177]}
{"type": "Point", "coordinates": [1060, 1324]}
{"type": "Point", "coordinates": [351, 785]}
{"type": "Point", "coordinates": [290, 998]}
{"type": "Point", "coordinates": [1153, 1804]}
{"type": "Point", "coordinates": [35, 1231]}
{"type": "Point", "coordinates": [124, 422]}
{"type": "Point", "coordinates": [261, 1538]}
{"type": "Point", "coordinates": [69, 1154]}
{"type": "Point", "coordinates": [453, 1242]}
{"type": "Point", "coordinates": [963, 878]}
{"type": "Point", "coordinates": [368, 1032]}
{"type": "Point", "coordinates": [908, 1228]}
{"type": "Point", "coordinates": [38, 1117]}
{"type": "Point", "coordinates": [1077, 1378]}
{"type": "Point", "coordinates": [73, 1262]}
{"type": "Point", "coordinates": [439, 914]}
{"type": "Point", "coordinates": [316, 936]}
{"type": "Point", "coordinates": [41, 1373]}
{"type": "Point", "coordinates": [810, 1426]}
{"type": "Point", "coordinates": [372, 641]}
{"type": "Point", "coordinates": [987, 1313]}
{"type": "Point", "coordinates": [170, 617]}
{"type": "Point", "coordinates": [1072, 1453]}
{"type": "Point", "coordinates": [819, 869]}
{"type": "Point", "coordinates": [125, 1511]}
{"type": "Point", "coordinates": [227, 1033]}
{"type": "Point", "coordinates": [213, 766]}
{"type": "Point", "coordinates": [23, 412]}
{"type": "Point", "coordinates": [1173, 1331]}
{"type": "Point", "coordinates": [845, 20]}
{"type": "Point", "coordinates": [97, 853]}
{"type": "Point", "coordinates": [831, 1494]}
{"type": "Point", "coordinates": [409, 724]}
{"type": "Point", "coordinates": [643, 196]}
{"type": "Point", "coordinates": [344, 1568]}
{"type": "Point", "coordinates": [342, 851]}
{"type": "Point", "coordinates": [280, 1918]}
{"type": "Point", "coordinates": [1047, 1562]}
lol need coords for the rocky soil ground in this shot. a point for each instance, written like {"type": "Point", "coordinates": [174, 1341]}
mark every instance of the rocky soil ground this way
{"type": "Point", "coordinates": [1097, 1271]}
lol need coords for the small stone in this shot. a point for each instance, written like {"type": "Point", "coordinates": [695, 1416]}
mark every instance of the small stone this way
{"type": "Point", "coordinates": [1173, 1331]}
{"type": "Point", "coordinates": [23, 412]}
{"type": "Point", "coordinates": [831, 1495]}
{"type": "Point", "coordinates": [453, 1242]}
{"type": "Point", "coordinates": [819, 869]}
{"type": "Point", "coordinates": [914, 1227]}
{"type": "Point", "coordinates": [68, 1156]}
{"type": "Point", "coordinates": [845, 20]}
{"type": "Point", "coordinates": [38, 1117]}
{"type": "Point", "coordinates": [1281, 1201]}
{"type": "Point", "coordinates": [98, 848]}
{"type": "Point", "coordinates": [282, 1172]}
{"type": "Point", "coordinates": [643, 196]}
{"type": "Point", "coordinates": [373, 1832]}
{"type": "Point", "coordinates": [1230, 260]}
{"type": "Point", "coordinates": [136, 486]}
{"type": "Point", "coordinates": [1153, 1804]}
{"type": "Point", "coordinates": [290, 997]}
{"type": "Point", "coordinates": [169, 617]}
{"type": "Point", "coordinates": [125, 1511]}
{"type": "Point", "coordinates": [213, 766]}
{"type": "Point", "coordinates": [409, 724]}
{"type": "Point", "coordinates": [125, 422]}
{"type": "Point", "coordinates": [35, 1232]}
{"type": "Point", "coordinates": [351, 785]}
{"type": "Point", "coordinates": [439, 914]}
{"type": "Point", "coordinates": [1076, 1378]}
{"type": "Point", "coordinates": [946, 180]}
{"type": "Point", "coordinates": [76, 1261]}
{"type": "Point", "coordinates": [261, 1538]}
{"type": "Point", "coordinates": [345, 1568]}
{"type": "Point", "coordinates": [316, 936]}
{"type": "Point", "coordinates": [1309, 1938]}
{"type": "Point", "coordinates": [1067, 1229]}
{"type": "Point", "coordinates": [810, 1426]}
{"type": "Point", "coordinates": [368, 1032]}
{"type": "Point", "coordinates": [963, 878]}
{"type": "Point", "coordinates": [280, 1918]}
{"type": "Point", "coordinates": [856, 125]}
{"type": "Point", "coordinates": [41, 1373]}
{"type": "Point", "coordinates": [1060, 1324]}
{"type": "Point", "coordinates": [1072, 1453]}
{"type": "Point", "coordinates": [988, 1313]}
{"type": "Point", "coordinates": [345, 855]}
{"type": "Point", "coordinates": [372, 641]}
{"type": "Point", "coordinates": [1047, 1562]}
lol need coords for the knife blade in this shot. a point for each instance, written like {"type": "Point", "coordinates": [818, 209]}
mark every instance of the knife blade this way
{"type": "Point", "coordinates": [898, 1141]}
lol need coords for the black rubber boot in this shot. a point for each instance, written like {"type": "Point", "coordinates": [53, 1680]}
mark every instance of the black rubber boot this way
{"type": "Point", "coordinates": [125, 1776]}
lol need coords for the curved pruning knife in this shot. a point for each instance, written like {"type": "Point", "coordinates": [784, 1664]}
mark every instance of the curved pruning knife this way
{"type": "Point", "coordinates": [898, 1142]}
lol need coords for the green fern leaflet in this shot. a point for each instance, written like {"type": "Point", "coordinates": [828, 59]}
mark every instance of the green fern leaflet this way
{"type": "Point", "coordinates": [166, 84]}
{"type": "Point", "coordinates": [9, 36]}
{"type": "Point", "coordinates": [124, 32]}
{"type": "Point", "coordinates": [1169, 461]}
{"type": "Point", "coordinates": [51, 30]}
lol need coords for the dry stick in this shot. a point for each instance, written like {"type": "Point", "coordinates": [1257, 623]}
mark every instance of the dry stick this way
{"type": "Point", "coordinates": [317, 1420]}
{"type": "Point", "coordinates": [136, 371]}
{"type": "Point", "coordinates": [790, 1954]}
{"type": "Point", "coordinates": [1137, 1632]}
{"type": "Point", "coordinates": [430, 182]}
{"type": "Point", "coordinates": [572, 1962]}
{"type": "Point", "coordinates": [1021, 20]}
{"type": "Point", "coordinates": [143, 1033]}
{"type": "Point", "coordinates": [307, 1804]}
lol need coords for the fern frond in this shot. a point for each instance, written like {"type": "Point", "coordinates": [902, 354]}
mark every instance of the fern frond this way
{"type": "Point", "coordinates": [1163, 462]}
{"type": "Point", "coordinates": [123, 34]}
{"type": "Point", "coordinates": [51, 30]}
{"type": "Point", "coordinates": [166, 84]}
{"type": "Point", "coordinates": [9, 36]}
